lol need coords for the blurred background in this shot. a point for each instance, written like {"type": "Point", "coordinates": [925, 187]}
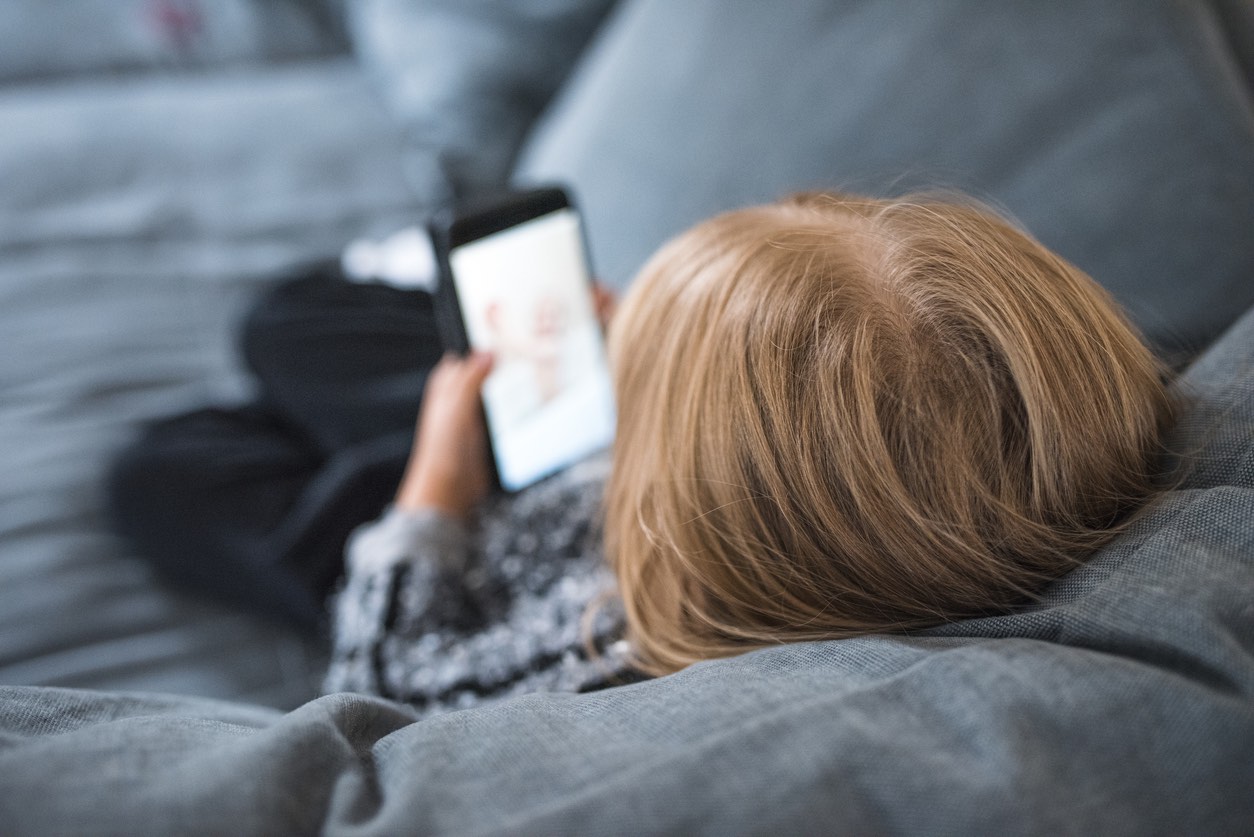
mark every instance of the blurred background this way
{"type": "Point", "coordinates": [162, 161]}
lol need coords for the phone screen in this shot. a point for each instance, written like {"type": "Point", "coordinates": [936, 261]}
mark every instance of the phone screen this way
{"type": "Point", "coordinates": [526, 297]}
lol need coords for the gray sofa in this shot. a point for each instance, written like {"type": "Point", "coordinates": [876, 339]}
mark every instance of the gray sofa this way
{"type": "Point", "coordinates": [161, 161]}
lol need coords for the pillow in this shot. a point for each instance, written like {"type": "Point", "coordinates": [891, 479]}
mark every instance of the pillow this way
{"type": "Point", "coordinates": [1125, 706]}
{"type": "Point", "coordinates": [1119, 133]}
{"type": "Point", "coordinates": [466, 78]}
{"type": "Point", "coordinates": [46, 38]}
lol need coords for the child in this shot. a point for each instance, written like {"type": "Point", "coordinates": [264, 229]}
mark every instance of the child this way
{"type": "Point", "coordinates": [837, 416]}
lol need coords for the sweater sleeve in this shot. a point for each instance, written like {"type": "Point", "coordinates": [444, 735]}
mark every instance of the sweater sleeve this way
{"type": "Point", "coordinates": [423, 555]}
{"type": "Point", "coordinates": [444, 616]}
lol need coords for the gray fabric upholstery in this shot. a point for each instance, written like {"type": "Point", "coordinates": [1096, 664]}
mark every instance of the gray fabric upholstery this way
{"type": "Point", "coordinates": [44, 39]}
{"type": "Point", "coordinates": [136, 219]}
{"type": "Point", "coordinates": [465, 80]}
{"type": "Point", "coordinates": [139, 212]}
{"type": "Point", "coordinates": [1123, 704]}
{"type": "Point", "coordinates": [1119, 133]}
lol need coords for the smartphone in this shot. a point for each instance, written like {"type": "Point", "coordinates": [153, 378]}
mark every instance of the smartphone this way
{"type": "Point", "coordinates": [515, 280]}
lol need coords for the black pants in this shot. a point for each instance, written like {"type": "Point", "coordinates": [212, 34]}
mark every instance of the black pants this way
{"type": "Point", "coordinates": [253, 505]}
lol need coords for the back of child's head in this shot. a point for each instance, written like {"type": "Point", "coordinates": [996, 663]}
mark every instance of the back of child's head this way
{"type": "Point", "coordinates": [841, 416]}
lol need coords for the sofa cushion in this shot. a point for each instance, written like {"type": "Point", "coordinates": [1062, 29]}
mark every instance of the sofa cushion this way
{"type": "Point", "coordinates": [466, 78]}
{"type": "Point", "coordinates": [138, 218]}
{"type": "Point", "coordinates": [1119, 133]}
{"type": "Point", "coordinates": [40, 39]}
{"type": "Point", "coordinates": [1122, 704]}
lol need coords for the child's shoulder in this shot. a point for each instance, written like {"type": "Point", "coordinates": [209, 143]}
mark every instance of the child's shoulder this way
{"type": "Point", "coordinates": [559, 514]}
{"type": "Point", "coordinates": [572, 487]}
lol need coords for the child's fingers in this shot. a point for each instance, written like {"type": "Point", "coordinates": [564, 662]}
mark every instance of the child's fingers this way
{"type": "Point", "coordinates": [460, 377]}
{"type": "Point", "coordinates": [467, 376]}
{"type": "Point", "coordinates": [448, 464]}
{"type": "Point", "coordinates": [605, 302]}
{"type": "Point", "coordinates": [478, 367]}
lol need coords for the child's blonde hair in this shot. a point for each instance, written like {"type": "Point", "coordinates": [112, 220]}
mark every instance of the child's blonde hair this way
{"type": "Point", "coordinates": [841, 415]}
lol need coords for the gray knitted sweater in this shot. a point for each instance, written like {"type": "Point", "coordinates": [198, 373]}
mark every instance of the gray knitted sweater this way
{"type": "Point", "coordinates": [445, 616]}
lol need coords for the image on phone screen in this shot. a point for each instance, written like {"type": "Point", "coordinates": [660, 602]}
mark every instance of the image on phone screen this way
{"type": "Point", "coordinates": [526, 297]}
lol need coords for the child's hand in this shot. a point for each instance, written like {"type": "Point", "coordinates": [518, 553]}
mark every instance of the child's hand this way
{"type": "Point", "coordinates": [448, 466]}
{"type": "Point", "coordinates": [604, 300]}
